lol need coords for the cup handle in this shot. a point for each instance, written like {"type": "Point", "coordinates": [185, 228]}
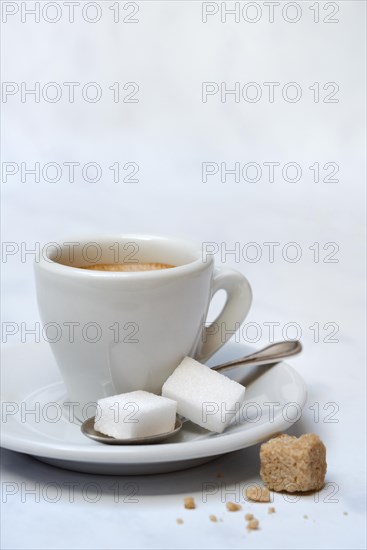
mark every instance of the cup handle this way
{"type": "Point", "coordinates": [235, 309]}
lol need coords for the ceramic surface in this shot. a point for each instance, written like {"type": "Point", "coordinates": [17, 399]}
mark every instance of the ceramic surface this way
{"type": "Point", "coordinates": [32, 382]}
{"type": "Point", "coordinates": [116, 332]}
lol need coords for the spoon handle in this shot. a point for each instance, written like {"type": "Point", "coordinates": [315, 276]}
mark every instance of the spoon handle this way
{"type": "Point", "coordinates": [271, 354]}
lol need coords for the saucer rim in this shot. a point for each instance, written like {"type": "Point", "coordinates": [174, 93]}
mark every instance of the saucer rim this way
{"type": "Point", "coordinates": [89, 451]}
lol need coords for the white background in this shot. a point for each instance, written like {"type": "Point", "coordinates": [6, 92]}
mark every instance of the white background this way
{"type": "Point", "coordinates": [169, 133]}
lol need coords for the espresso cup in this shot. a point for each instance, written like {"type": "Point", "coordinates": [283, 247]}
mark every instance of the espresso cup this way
{"type": "Point", "coordinates": [117, 331]}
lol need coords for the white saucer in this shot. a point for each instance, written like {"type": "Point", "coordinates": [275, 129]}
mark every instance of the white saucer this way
{"type": "Point", "coordinates": [31, 381]}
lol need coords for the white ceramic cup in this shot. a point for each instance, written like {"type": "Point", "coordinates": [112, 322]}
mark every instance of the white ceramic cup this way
{"type": "Point", "coordinates": [115, 332]}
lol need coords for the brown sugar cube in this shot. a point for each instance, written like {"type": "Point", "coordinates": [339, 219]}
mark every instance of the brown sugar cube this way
{"type": "Point", "coordinates": [189, 503]}
{"type": "Point", "coordinates": [232, 507]}
{"type": "Point", "coordinates": [253, 524]}
{"type": "Point", "coordinates": [293, 464]}
{"type": "Point", "coordinates": [258, 494]}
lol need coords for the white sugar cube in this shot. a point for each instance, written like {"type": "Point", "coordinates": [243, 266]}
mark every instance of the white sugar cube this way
{"type": "Point", "coordinates": [204, 396]}
{"type": "Point", "coordinates": [135, 414]}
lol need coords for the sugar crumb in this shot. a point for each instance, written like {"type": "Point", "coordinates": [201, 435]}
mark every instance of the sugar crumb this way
{"type": "Point", "coordinates": [253, 525]}
{"type": "Point", "coordinates": [345, 513]}
{"type": "Point", "coordinates": [249, 517]}
{"type": "Point", "coordinates": [189, 503]}
{"type": "Point", "coordinates": [271, 510]}
{"type": "Point", "coordinates": [258, 494]}
{"type": "Point", "coordinates": [213, 518]}
{"type": "Point", "coordinates": [233, 507]}
{"type": "Point", "coordinates": [179, 521]}
{"type": "Point", "coordinates": [305, 516]}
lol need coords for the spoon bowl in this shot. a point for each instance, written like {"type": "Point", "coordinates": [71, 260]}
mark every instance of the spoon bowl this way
{"type": "Point", "coordinates": [87, 429]}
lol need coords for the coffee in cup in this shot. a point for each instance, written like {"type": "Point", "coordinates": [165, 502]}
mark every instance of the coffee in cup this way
{"type": "Point", "coordinates": [147, 266]}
